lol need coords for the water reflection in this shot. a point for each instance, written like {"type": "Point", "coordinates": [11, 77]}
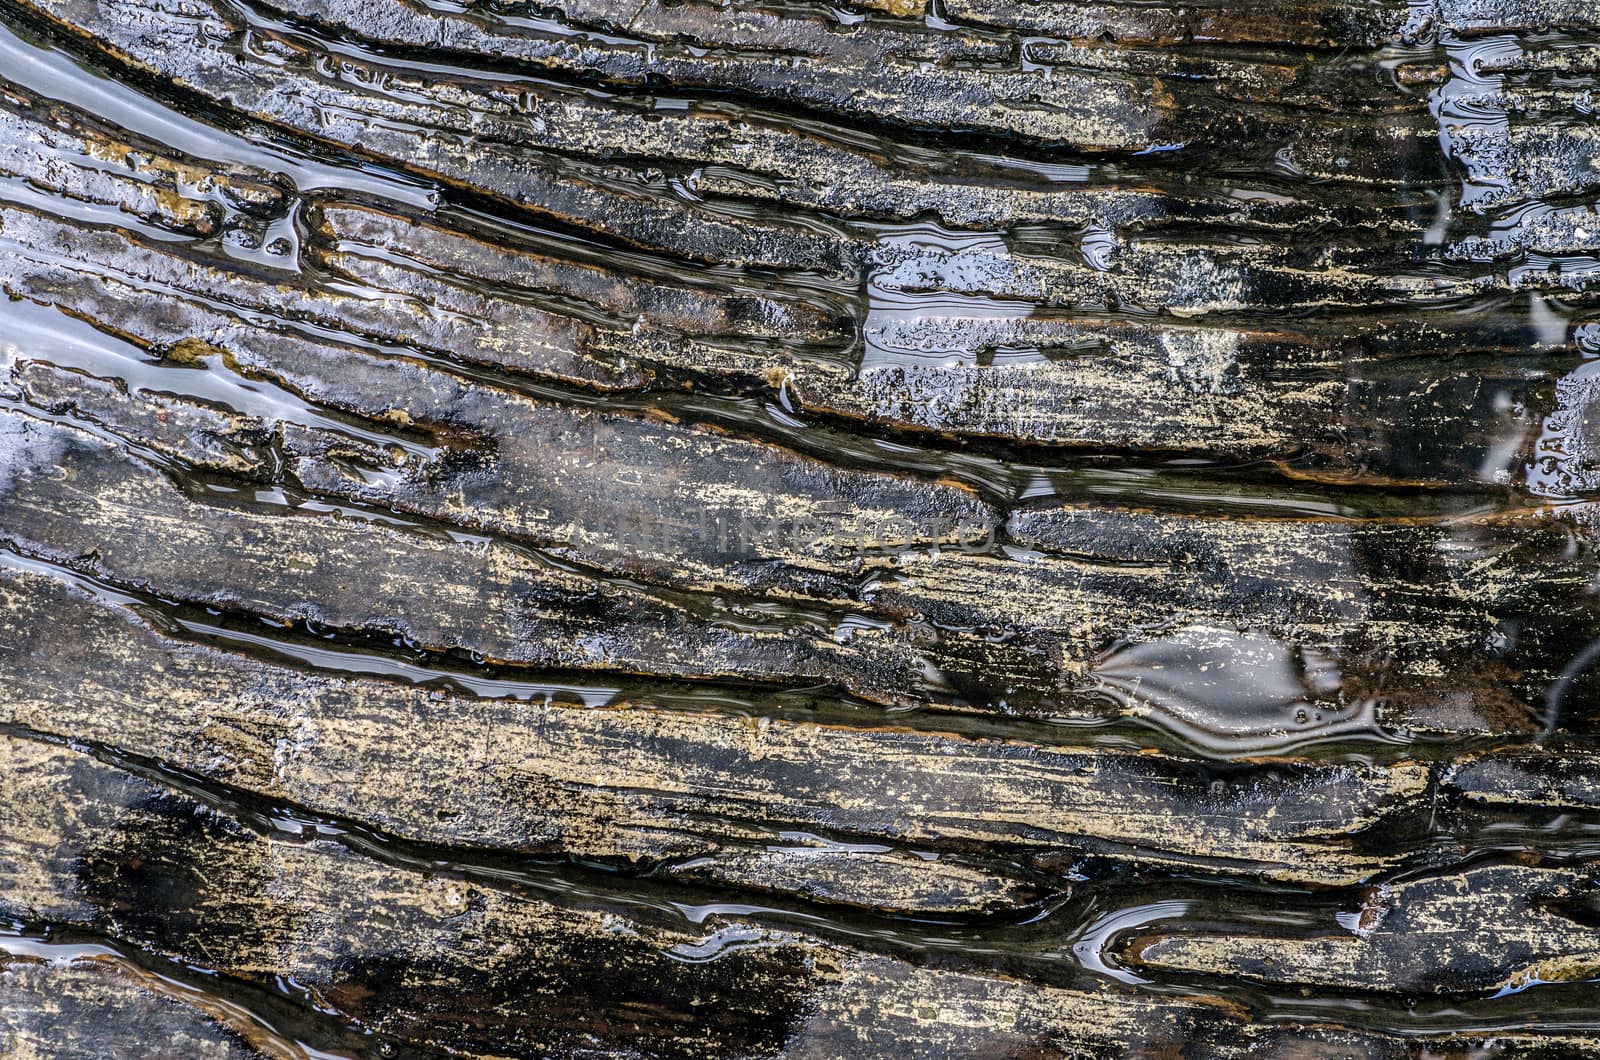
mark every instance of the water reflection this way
{"type": "Point", "coordinates": [1233, 692]}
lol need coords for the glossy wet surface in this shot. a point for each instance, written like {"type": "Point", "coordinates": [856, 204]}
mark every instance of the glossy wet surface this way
{"type": "Point", "coordinates": [682, 529]}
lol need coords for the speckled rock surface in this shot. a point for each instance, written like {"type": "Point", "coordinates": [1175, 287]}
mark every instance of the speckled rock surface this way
{"type": "Point", "coordinates": [680, 529]}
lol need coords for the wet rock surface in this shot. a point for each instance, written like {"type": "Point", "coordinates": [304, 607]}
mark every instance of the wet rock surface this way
{"type": "Point", "coordinates": [972, 528]}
